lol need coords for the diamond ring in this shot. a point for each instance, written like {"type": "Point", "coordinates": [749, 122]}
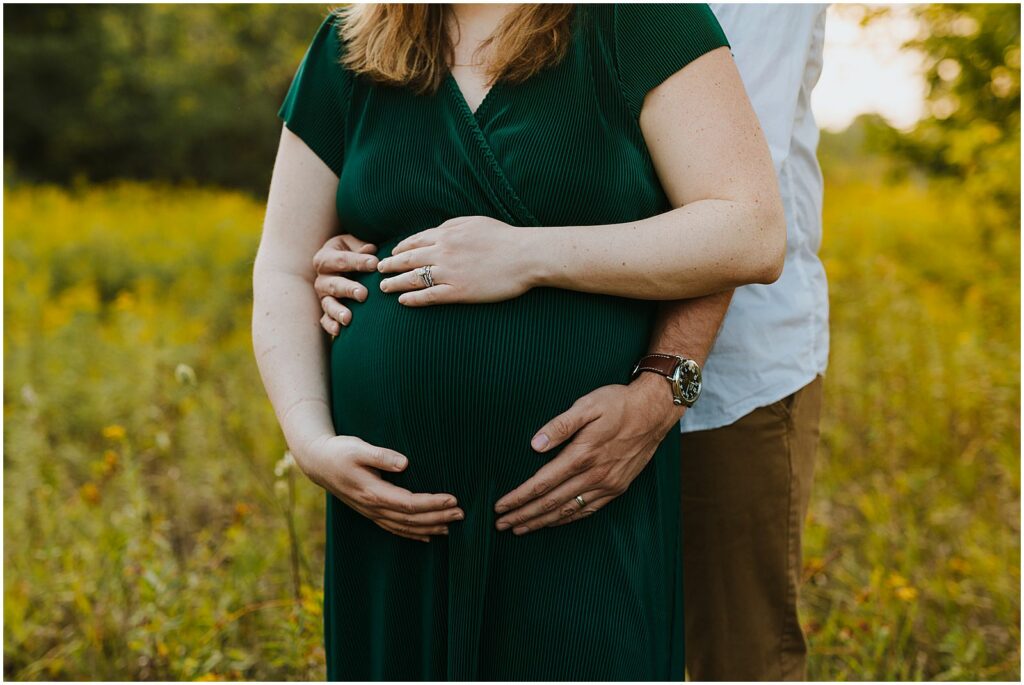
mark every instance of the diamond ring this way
{"type": "Point", "coordinates": [425, 276]}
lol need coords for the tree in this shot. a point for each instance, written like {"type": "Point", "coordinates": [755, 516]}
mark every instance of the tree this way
{"type": "Point", "coordinates": [972, 133]}
{"type": "Point", "coordinates": [173, 92]}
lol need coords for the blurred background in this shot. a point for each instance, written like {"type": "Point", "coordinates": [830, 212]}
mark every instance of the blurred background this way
{"type": "Point", "coordinates": [153, 528]}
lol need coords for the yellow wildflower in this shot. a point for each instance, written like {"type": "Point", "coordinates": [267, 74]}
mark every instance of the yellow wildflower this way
{"type": "Point", "coordinates": [242, 509]}
{"type": "Point", "coordinates": [906, 593]}
{"type": "Point", "coordinates": [959, 565]}
{"type": "Point", "coordinates": [90, 493]}
{"type": "Point", "coordinates": [124, 301]}
{"type": "Point", "coordinates": [109, 461]}
{"type": "Point", "coordinates": [114, 431]}
{"type": "Point", "coordinates": [896, 580]}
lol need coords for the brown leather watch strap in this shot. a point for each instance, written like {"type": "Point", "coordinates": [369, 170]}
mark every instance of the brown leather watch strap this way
{"type": "Point", "coordinates": [664, 364]}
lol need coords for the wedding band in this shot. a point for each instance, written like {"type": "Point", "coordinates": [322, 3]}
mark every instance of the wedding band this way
{"type": "Point", "coordinates": [425, 276]}
{"type": "Point", "coordinates": [579, 500]}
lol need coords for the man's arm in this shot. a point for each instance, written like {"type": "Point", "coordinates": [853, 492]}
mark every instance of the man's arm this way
{"type": "Point", "coordinates": [687, 328]}
{"type": "Point", "coordinates": [614, 430]}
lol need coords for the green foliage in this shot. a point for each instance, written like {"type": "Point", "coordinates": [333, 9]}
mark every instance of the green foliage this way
{"type": "Point", "coordinates": [972, 134]}
{"type": "Point", "coordinates": [172, 92]}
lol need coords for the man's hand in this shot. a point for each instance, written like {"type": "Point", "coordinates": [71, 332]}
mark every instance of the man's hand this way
{"type": "Point", "coordinates": [341, 254]}
{"type": "Point", "coordinates": [615, 431]}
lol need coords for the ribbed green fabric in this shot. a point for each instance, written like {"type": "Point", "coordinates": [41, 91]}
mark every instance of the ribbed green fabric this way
{"type": "Point", "coordinates": [460, 389]}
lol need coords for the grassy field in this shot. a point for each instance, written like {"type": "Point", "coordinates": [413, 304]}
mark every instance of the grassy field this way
{"type": "Point", "coordinates": [152, 531]}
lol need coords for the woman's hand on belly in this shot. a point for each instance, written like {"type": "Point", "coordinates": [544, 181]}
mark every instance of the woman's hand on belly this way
{"type": "Point", "coordinates": [349, 468]}
{"type": "Point", "coordinates": [472, 259]}
{"type": "Point", "coordinates": [614, 431]}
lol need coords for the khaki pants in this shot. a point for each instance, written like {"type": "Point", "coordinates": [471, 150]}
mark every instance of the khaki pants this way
{"type": "Point", "coordinates": [745, 492]}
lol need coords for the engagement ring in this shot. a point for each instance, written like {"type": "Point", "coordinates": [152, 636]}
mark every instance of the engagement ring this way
{"type": "Point", "coordinates": [425, 276]}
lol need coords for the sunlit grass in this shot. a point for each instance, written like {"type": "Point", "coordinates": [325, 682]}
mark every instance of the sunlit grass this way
{"type": "Point", "coordinates": [913, 545]}
{"type": "Point", "coordinates": [144, 537]}
{"type": "Point", "coordinates": [147, 529]}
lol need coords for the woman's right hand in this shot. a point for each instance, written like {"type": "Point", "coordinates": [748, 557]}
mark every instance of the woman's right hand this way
{"type": "Point", "coordinates": [349, 468]}
{"type": "Point", "coordinates": [341, 254]}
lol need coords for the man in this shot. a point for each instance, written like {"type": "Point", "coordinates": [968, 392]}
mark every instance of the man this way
{"type": "Point", "coordinates": [749, 442]}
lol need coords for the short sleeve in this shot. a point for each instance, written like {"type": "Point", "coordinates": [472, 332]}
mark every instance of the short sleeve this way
{"type": "Point", "coordinates": [314, 107]}
{"type": "Point", "coordinates": [655, 40]}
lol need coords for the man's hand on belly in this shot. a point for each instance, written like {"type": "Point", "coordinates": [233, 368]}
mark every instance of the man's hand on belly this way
{"type": "Point", "coordinates": [614, 430]}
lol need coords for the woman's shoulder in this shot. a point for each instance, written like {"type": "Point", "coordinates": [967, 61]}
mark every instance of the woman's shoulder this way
{"type": "Point", "coordinates": [644, 22]}
{"type": "Point", "coordinates": [330, 37]}
{"type": "Point", "coordinates": [320, 91]}
{"type": "Point", "coordinates": [334, 37]}
{"type": "Point", "coordinates": [648, 42]}
{"type": "Point", "coordinates": [325, 52]}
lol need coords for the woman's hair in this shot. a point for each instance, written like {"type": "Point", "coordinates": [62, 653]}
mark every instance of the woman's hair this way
{"type": "Point", "coordinates": [410, 44]}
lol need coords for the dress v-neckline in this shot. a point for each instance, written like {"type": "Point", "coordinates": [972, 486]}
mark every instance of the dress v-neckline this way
{"type": "Point", "coordinates": [463, 104]}
{"type": "Point", "coordinates": [472, 124]}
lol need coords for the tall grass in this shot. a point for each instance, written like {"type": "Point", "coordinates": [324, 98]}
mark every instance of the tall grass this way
{"type": "Point", "coordinates": [144, 535]}
{"type": "Point", "coordinates": [914, 537]}
{"type": "Point", "coordinates": [153, 531]}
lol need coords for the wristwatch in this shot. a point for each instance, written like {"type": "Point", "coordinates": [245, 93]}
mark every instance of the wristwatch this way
{"type": "Point", "coordinates": [682, 374]}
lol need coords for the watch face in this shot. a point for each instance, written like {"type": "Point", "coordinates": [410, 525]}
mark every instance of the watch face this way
{"type": "Point", "coordinates": [690, 381]}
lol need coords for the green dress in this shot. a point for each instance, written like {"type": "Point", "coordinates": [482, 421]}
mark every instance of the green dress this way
{"type": "Point", "coordinates": [460, 389]}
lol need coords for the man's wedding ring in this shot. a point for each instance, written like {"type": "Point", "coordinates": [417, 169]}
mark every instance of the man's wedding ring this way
{"type": "Point", "coordinates": [425, 276]}
{"type": "Point", "coordinates": [579, 501]}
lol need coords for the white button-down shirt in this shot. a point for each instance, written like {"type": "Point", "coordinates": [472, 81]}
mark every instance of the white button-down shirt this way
{"type": "Point", "coordinates": [774, 339]}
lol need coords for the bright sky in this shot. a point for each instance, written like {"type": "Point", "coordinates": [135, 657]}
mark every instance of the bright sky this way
{"type": "Point", "coordinates": [866, 71]}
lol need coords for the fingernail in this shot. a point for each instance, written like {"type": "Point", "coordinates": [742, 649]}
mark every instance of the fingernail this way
{"type": "Point", "coordinates": [383, 287]}
{"type": "Point", "coordinates": [360, 294]}
{"type": "Point", "coordinates": [540, 441]}
{"type": "Point", "coordinates": [458, 516]}
{"type": "Point", "coordinates": [446, 530]}
{"type": "Point", "coordinates": [400, 462]}
{"type": "Point", "coordinates": [502, 525]}
{"type": "Point", "coordinates": [369, 262]}
{"type": "Point", "coordinates": [501, 508]}
{"type": "Point", "coordinates": [380, 266]}
{"type": "Point", "coordinates": [520, 530]}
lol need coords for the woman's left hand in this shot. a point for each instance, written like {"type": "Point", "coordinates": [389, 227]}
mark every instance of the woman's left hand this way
{"type": "Point", "coordinates": [471, 259]}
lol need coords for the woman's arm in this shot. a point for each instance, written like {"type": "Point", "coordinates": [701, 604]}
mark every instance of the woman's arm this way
{"type": "Point", "coordinates": [290, 349]}
{"type": "Point", "coordinates": [728, 228]}
{"type": "Point", "coordinates": [292, 356]}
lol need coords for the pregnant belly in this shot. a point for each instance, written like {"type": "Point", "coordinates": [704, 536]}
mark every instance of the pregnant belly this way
{"type": "Point", "coordinates": [461, 389]}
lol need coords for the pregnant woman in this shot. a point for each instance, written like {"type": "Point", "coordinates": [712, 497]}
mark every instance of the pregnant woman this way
{"type": "Point", "coordinates": [559, 169]}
